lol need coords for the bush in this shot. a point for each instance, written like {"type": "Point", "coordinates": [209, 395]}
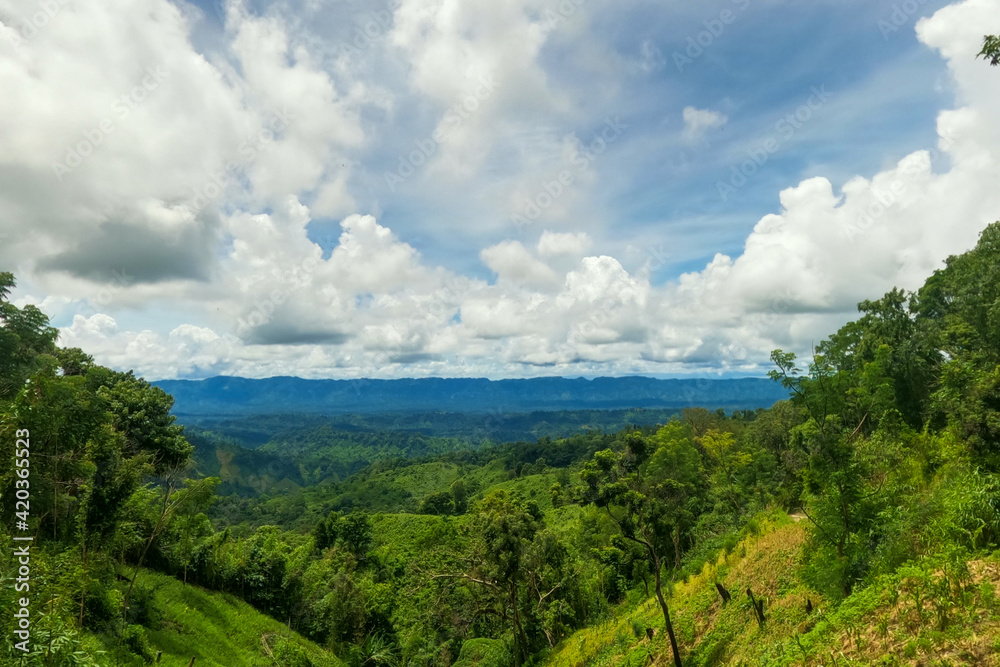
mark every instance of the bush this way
{"type": "Point", "coordinates": [141, 610]}
{"type": "Point", "coordinates": [289, 654]}
{"type": "Point", "coordinates": [824, 571]}
{"type": "Point", "coordinates": [134, 639]}
{"type": "Point", "coordinates": [484, 653]}
{"type": "Point", "coordinates": [102, 605]}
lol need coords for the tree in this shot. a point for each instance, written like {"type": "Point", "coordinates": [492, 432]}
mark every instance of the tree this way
{"type": "Point", "coordinates": [25, 339]}
{"type": "Point", "coordinates": [991, 49]}
{"type": "Point", "coordinates": [356, 534]}
{"type": "Point", "coordinates": [504, 526]}
{"type": "Point", "coordinates": [840, 412]}
{"type": "Point", "coordinates": [351, 532]}
{"type": "Point", "coordinates": [551, 579]}
{"type": "Point", "coordinates": [729, 461]}
{"type": "Point", "coordinates": [768, 437]}
{"type": "Point", "coordinates": [637, 499]}
{"type": "Point", "coordinates": [73, 361]}
{"type": "Point", "coordinates": [460, 496]}
{"type": "Point", "coordinates": [141, 412]}
{"type": "Point", "coordinates": [70, 434]}
{"type": "Point", "coordinates": [441, 503]}
{"type": "Point", "coordinates": [866, 383]}
{"type": "Point", "coordinates": [502, 531]}
{"type": "Point", "coordinates": [195, 495]}
{"type": "Point", "coordinates": [958, 308]}
{"type": "Point", "coordinates": [187, 523]}
{"type": "Point", "coordinates": [676, 476]}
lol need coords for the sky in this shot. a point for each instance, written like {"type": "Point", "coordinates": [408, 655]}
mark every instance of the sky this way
{"type": "Point", "coordinates": [513, 188]}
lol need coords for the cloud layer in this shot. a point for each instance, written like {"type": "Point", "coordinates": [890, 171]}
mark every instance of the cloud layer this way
{"type": "Point", "coordinates": [189, 200]}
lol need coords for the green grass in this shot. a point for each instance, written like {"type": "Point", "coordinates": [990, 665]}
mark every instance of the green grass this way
{"type": "Point", "coordinates": [218, 629]}
{"type": "Point", "coordinates": [958, 622]}
{"type": "Point", "coordinates": [707, 632]}
{"type": "Point", "coordinates": [531, 487]}
{"type": "Point", "coordinates": [421, 479]}
{"type": "Point", "coordinates": [486, 476]}
{"type": "Point", "coordinates": [406, 533]}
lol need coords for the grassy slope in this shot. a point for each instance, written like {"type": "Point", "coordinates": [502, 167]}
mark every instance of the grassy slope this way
{"type": "Point", "coordinates": [881, 625]}
{"type": "Point", "coordinates": [218, 629]}
{"type": "Point", "coordinates": [419, 480]}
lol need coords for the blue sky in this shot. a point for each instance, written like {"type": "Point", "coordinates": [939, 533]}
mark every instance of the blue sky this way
{"type": "Point", "coordinates": [325, 256]}
{"type": "Point", "coordinates": [886, 93]}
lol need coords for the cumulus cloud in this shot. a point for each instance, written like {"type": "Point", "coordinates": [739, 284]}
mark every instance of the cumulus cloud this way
{"type": "Point", "coordinates": [512, 263]}
{"type": "Point", "coordinates": [118, 132]}
{"type": "Point", "coordinates": [200, 205]}
{"type": "Point", "coordinates": [474, 61]}
{"type": "Point", "coordinates": [556, 244]}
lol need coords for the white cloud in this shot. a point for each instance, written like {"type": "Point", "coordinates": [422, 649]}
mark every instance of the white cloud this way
{"type": "Point", "coordinates": [241, 287]}
{"type": "Point", "coordinates": [290, 83]}
{"type": "Point", "coordinates": [118, 131]}
{"type": "Point", "coordinates": [556, 244]}
{"type": "Point", "coordinates": [697, 122]}
{"type": "Point", "coordinates": [512, 263]}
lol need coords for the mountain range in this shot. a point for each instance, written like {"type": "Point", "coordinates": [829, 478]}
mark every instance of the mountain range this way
{"type": "Point", "coordinates": [280, 395]}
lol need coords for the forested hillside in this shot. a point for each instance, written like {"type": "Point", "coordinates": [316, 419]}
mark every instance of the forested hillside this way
{"type": "Point", "coordinates": [261, 453]}
{"type": "Point", "coordinates": [670, 543]}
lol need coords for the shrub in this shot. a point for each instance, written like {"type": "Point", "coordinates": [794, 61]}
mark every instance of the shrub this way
{"type": "Point", "coordinates": [290, 654]}
{"type": "Point", "coordinates": [484, 653]}
{"type": "Point", "coordinates": [134, 639]}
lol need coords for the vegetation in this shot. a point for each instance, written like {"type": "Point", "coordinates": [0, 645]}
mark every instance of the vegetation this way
{"type": "Point", "coordinates": [991, 49]}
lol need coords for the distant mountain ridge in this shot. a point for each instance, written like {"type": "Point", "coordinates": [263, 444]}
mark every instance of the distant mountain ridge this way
{"type": "Point", "coordinates": [277, 395]}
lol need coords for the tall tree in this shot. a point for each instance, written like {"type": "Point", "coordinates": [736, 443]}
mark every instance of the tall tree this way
{"type": "Point", "coordinates": [25, 336]}
{"type": "Point", "coordinates": [638, 499]}
{"type": "Point", "coordinates": [959, 308]}
{"type": "Point", "coordinates": [504, 526]}
{"type": "Point", "coordinates": [141, 412]}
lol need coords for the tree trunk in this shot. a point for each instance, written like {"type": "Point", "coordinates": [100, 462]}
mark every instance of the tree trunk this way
{"type": "Point", "coordinates": [142, 556]}
{"type": "Point", "coordinates": [666, 613]}
{"type": "Point", "coordinates": [520, 638]}
{"type": "Point", "coordinates": [723, 593]}
{"type": "Point", "coordinates": [676, 536]}
{"type": "Point", "coordinates": [758, 608]}
{"type": "Point", "coordinates": [83, 590]}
